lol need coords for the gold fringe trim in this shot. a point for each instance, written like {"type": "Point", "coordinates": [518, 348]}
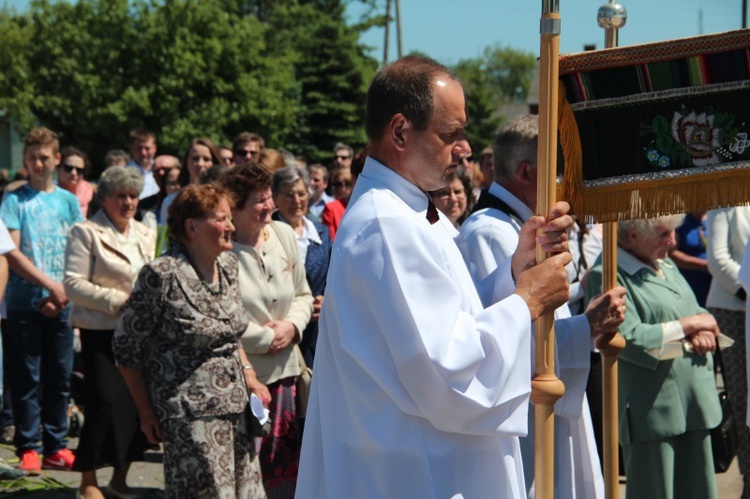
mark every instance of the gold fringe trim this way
{"type": "Point", "coordinates": [570, 142]}
{"type": "Point", "coordinates": [655, 198]}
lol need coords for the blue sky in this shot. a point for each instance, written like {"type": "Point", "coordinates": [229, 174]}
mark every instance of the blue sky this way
{"type": "Point", "coordinates": [450, 30]}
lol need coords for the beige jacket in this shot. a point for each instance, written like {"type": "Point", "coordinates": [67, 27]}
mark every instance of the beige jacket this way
{"type": "Point", "coordinates": [728, 230]}
{"type": "Point", "coordinates": [98, 277]}
{"type": "Point", "coordinates": [273, 286]}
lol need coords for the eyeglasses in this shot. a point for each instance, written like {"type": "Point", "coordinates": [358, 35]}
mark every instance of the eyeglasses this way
{"type": "Point", "coordinates": [294, 195]}
{"type": "Point", "coordinates": [70, 168]}
{"type": "Point", "coordinates": [341, 184]}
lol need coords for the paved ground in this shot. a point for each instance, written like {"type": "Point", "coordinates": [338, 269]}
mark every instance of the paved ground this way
{"type": "Point", "coordinates": [149, 478]}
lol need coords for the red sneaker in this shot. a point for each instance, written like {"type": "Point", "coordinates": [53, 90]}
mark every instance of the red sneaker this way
{"type": "Point", "coordinates": [29, 462]}
{"type": "Point", "coordinates": [60, 460]}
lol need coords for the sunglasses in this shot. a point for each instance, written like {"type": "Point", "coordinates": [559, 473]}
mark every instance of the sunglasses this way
{"type": "Point", "coordinates": [342, 157]}
{"type": "Point", "coordinates": [70, 168]}
{"type": "Point", "coordinates": [341, 184]}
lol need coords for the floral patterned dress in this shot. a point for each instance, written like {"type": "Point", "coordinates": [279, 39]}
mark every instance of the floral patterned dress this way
{"type": "Point", "coordinates": [182, 333]}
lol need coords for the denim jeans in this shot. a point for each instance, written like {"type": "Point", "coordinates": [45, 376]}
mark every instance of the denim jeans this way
{"type": "Point", "coordinates": [41, 356]}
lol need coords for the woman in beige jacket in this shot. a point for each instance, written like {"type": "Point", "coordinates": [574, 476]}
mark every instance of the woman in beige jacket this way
{"type": "Point", "coordinates": [728, 230]}
{"type": "Point", "coordinates": [274, 290]}
{"type": "Point", "coordinates": [102, 259]}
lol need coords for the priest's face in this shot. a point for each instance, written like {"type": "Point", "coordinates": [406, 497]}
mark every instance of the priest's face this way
{"type": "Point", "coordinates": [437, 150]}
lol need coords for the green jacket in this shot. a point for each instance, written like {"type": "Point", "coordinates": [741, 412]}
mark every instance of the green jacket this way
{"type": "Point", "coordinates": [665, 398]}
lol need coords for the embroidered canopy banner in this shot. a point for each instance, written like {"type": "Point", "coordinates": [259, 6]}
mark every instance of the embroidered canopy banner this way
{"type": "Point", "coordinates": [656, 129]}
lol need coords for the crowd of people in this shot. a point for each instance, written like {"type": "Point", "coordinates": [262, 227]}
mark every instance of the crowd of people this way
{"type": "Point", "coordinates": [404, 274]}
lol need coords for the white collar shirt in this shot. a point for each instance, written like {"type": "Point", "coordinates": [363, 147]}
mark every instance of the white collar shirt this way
{"type": "Point", "coordinates": [150, 187]}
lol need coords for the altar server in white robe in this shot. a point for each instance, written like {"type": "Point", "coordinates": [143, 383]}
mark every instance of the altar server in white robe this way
{"type": "Point", "coordinates": [491, 233]}
{"type": "Point", "coordinates": [420, 391]}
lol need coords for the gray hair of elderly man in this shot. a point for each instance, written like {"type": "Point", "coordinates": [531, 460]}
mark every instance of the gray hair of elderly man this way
{"type": "Point", "coordinates": [119, 178]}
{"type": "Point", "coordinates": [515, 143]}
{"type": "Point", "coordinates": [646, 227]}
{"type": "Point", "coordinates": [288, 175]}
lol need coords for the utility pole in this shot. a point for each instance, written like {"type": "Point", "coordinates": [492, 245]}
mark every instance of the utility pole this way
{"type": "Point", "coordinates": [387, 30]}
{"type": "Point", "coordinates": [398, 27]}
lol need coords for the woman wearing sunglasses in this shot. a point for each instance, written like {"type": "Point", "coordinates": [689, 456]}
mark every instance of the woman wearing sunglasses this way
{"type": "Point", "coordinates": [343, 185]}
{"type": "Point", "coordinates": [70, 173]}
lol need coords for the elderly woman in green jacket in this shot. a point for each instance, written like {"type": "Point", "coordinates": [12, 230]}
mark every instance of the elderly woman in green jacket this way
{"type": "Point", "coordinates": [667, 405]}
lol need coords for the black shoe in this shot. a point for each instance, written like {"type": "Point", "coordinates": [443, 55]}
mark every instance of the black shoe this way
{"type": "Point", "coordinates": [6, 434]}
{"type": "Point", "coordinates": [9, 473]}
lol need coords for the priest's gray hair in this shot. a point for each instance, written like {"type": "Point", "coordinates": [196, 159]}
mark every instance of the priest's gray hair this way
{"type": "Point", "coordinates": [647, 227]}
{"type": "Point", "coordinates": [119, 178]}
{"type": "Point", "coordinates": [515, 143]}
{"type": "Point", "coordinates": [289, 175]}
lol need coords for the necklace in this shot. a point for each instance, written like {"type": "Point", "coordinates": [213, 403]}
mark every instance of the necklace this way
{"type": "Point", "coordinates": [207, 286]}
{"type": "Point", "coordinates": [205, 283]}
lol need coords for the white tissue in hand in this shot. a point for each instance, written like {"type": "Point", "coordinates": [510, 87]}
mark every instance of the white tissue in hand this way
{"type": "Point", "coordinates": [260, 412]}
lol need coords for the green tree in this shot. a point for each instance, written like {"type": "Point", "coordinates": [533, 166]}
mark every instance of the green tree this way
{"type": "Point", "coordinates": [214, 76]}
{"type": "Point", "coordinates": [182, 68]}
{"type": "Point", "coordinates": [290, 70]}
{"type": "Point", "coordinates": [500, 76]}
{"type": "Point", "coordinates": [78, 70]}
{"type": "Point", "coordinates": [15, 93]}
{"type": "Point", "coordinates": [332, 73]}
{"type": "Point", "coordinates": [510, 71]}
{"type": "Point", "coordinates": [481, 103]}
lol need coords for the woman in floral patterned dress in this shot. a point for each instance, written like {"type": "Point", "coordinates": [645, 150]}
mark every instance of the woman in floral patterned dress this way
{"type": "Point", "coordinates": [178, 350]}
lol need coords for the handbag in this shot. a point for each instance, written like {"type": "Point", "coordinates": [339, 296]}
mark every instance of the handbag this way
{"type": "Point", "coordinates": [724, 436]}
{"type": "Point", "coordinates": [304, 380]}
{"type": "Point", "coordinates": [253, 426]}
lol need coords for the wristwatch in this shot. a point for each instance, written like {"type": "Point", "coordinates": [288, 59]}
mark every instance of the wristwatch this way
{"type": "Point", "coordinates": [247, 367]}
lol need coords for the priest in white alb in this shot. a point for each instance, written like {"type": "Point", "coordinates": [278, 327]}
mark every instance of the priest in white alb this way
{"type": "Point", "coordinates": [418, 390]}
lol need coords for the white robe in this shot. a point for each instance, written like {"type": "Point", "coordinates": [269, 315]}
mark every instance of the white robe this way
{"type": "Point", "coordinates": [744, 276]}
{"type": "Point", "coordinates": [492, 237]}
{"type": "Point", "coordinates": [418, 390]}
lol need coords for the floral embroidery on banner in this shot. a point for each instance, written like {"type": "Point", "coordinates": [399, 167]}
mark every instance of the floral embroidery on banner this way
{"type": "Point", "coordinates": [694, 139]}
{"type": "Point", "coordinates": [698, 135]}
{"type": "Point", "coordinates": [740, 143]}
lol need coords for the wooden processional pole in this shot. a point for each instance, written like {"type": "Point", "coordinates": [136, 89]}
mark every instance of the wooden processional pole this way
{"type": "Point", "coordinates": [611, 17]}
{"type": "Point", "coordinates": [546, 388]}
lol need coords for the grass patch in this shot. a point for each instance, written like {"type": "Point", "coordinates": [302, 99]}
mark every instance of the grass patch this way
{"type": "Point", "coordinates": [23, 486]}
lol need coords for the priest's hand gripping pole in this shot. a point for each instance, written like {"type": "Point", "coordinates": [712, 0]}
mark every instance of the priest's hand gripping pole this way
{"type": "Point", "coordinates": [546, 388]}
{"type": "Point", "coordinates": [611, 17]}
